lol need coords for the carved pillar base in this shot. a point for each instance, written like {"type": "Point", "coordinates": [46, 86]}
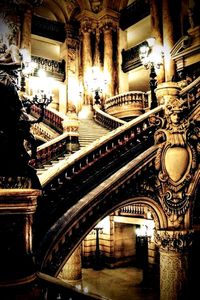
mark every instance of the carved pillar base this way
{"type": "Point", "coordinates": [166, 90]}
{"type": "Point", "coordinates": [174, 263]}
{"type": "Point", "coordinates": [17, 207]}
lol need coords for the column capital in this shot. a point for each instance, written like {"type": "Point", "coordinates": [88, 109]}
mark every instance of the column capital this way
{"type": "Point", "coordinates": [108, 23]}
{"type": "Point", "coordinates": [87, 25]}
{"type": "Point", "coordinates": [174, 240]}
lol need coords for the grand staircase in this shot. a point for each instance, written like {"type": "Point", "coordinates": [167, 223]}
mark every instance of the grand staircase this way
{"type": "Point", "coordinates": [89, 131]}
{"type": "Point", "coordinates": [94, 181]}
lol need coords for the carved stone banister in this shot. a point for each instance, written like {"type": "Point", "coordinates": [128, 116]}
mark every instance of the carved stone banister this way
{"type": "Point", "coordinates": [130, 104]}
{"type": "Point", "coordinates": [67, 232]}
{"type": "Point", "coordinates": [105, 119]}
{"type": "Point", "coordinates": [133, 210]}
{"type": "Point", "coordinates": [52, 117]}
{"type": "Point", "coordinates": [90, 153]}
{"type": "Point", "coordinates": [51, 150]}
{"type": "Point", "coordinates": [194, 84]}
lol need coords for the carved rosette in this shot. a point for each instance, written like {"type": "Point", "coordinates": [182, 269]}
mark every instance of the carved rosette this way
{"type": "Point", "coordinates": [176, 159]}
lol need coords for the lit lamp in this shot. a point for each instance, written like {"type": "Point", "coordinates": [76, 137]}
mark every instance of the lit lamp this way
{"type": "Point", "coordinates": [40, 99]}
{"type": "Point", "coordinates": [151, 57]}
{"type": "Point", "coordinates": [96, 83]}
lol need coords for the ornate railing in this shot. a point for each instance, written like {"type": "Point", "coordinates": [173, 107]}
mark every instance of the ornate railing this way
{"type": "Point", "coordinates": [134, 210]}
{"type": "Point", "coordinates": [52, 118]}
{"type": "Point", "coordinates": [51, 150]}
{"type": "Point", "coordinates": [106, 120]}
{"type": "Point", "coordinates": [130, 57]}
{"type": "Point", "coordinates": [133, 13]}
{"type": "Point", "coordinates": [58, 146]}
{"type": "Point", "coordinates": [130, 104]}
{"type": "Point", "coordinates": [90, 166]}
{"type": "Point", "coordinates": [51, 29]}
{"type": "Point", "coordinates": [55, 69]}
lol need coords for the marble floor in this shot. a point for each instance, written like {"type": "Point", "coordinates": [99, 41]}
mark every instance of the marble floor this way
{"type": "Point", "coordinates": [116, 284]}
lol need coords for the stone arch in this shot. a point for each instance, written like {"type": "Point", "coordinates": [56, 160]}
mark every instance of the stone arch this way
{"type": "Point", "coordinates": [77, 222]}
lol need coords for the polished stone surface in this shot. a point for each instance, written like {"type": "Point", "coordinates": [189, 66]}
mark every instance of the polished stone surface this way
{"type": "Point", "coordinates": [116, 284]}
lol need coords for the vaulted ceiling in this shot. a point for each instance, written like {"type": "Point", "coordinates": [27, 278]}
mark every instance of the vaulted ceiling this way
{"type": "Point", "coordinates": [65, 10]}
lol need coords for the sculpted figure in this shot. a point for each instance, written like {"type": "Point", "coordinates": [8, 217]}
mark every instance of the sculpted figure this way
{"type": "Point", "coordinates": [14, 127]}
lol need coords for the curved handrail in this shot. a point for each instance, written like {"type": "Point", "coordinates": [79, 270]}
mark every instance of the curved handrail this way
{"type": "Point", "coordinates": [189, 87]}
{"type": "Point", "coordinates": [78, 215]}
{"type": "Point", "coordinates": [91, 152]}
{"type": "Point", "coordinates": [105, 119]}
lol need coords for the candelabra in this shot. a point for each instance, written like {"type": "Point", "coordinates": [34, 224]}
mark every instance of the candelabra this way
{"type": "Point", "coordinates": [143, 236]}
{"type": "Point", "coordinates": [151, 58]}
{"type": "Point", "coordinates": [96, 83]}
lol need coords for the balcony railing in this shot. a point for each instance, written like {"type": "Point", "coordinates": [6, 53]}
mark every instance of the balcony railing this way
{"type": "Point", "coordinates": [130, 57]}
{"type": "Point", "coordinates": [48, 28]}
{"type": "Point", "coordinates": [53, 68]}
{"type": "Point", "coordinates": [133, 13]}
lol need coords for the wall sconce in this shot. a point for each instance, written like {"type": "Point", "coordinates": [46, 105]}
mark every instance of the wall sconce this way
{"type": "Point", "coordinates": [151, 57]}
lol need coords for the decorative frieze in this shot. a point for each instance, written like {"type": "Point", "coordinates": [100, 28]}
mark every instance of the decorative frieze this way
{"type": "Point", "coordinates": [174, 240]}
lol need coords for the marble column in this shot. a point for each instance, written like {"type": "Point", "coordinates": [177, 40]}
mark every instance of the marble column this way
{"type": "Point", "coordinates": [96, 50]}
{"type": "Point", "coordinates": [174, 263]}
{"type": "Point", "coordinates": [72, 270]}
{"type": "Point", "coordinates": [87, 61]}
{"type": "Point", "coordinates": [108, 60]}
{"type": "Point", "coordinates": [26, 31]}
{"type": "Point", "coordinates": [168, 40]}
{"type": "Point", "coordinates": [156, 32]}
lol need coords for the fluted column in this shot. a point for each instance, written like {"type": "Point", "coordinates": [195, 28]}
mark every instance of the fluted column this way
{"type": "Point", "coordinates": [156, 31]}
{"type": "Point", "coordinates": [96, 50]}
{"type": "Point", "coordinates": [86, 58]}
{"type": "Point", "coordinates": [26, 31]}
{"type": "Point", "coordinates": [72, 269]}
{"type": "Point", "coordinates": [168, 40]}
{"type": "Point", "coordinates": [108, 60]}
{"type": "Point", "coordinates": [174, 263]}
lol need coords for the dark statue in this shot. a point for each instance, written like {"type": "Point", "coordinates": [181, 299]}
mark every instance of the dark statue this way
{"type": "Point", "coordinates": [14, 122]}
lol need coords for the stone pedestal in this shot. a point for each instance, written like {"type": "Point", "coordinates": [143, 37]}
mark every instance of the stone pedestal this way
{"type": "Point", "coordinates": [17, 207]}
{"type": "Point", "coordinates": [166, 90]}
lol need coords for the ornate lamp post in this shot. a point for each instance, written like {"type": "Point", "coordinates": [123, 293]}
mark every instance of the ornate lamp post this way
{"type": "Point", "coordinates": [143, 235]}
{"type": "Point", "coordinates": [96, 83]}
{"type": "Point", "coordinates": [151, 59]}
{"type": "Point", "coordinates": [97, 261]}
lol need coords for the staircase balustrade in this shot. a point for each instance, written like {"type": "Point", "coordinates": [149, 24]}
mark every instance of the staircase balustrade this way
{"type": "Point", "coordinates": [50, 151]}
{"type": "Point", "coordinates": [134, 210]}
{"type": "Point", "coordinates": [51, 117]}
{"type": "Point", "coordinates": [131, 104]}
{"type": "Point", "coordinates": [106, 120]}
{"type": "Point", "coordinates": [66, 182]}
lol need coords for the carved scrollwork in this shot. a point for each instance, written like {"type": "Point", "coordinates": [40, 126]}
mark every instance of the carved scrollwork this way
{"type": "Point", "coordinates": [173, 240]}
{"type": "Point", "coordinates": [176, 159]}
